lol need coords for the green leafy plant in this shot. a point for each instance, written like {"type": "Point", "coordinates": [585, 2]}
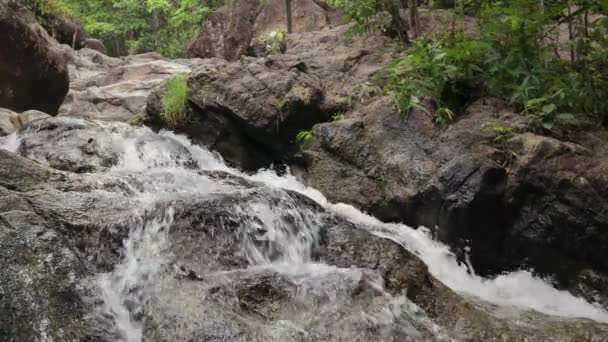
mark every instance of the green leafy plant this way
{"type": "Point", "coordinates": [175, 101]}
{"type": "Point", "coordinates": [338, 116]}
{"type": "Point", "coordinates": [515, 58]}
{"type": "Point", "coordinates": [274, 42]}
{"type": "Point", "coordinates": [304, 137]}
{"type": "Point", "coordinates": [281, 104]}
{"type": "Point", "coordinates": [501, 142]}
{"type": "Point", "coordinates": [367, 15]}
{"type": "Point", "coordinates": [443, 117]}
{"type": "Point", "coordinates": [379, 15]}
{"type": "Point", "coordinates": [133, 26]}
{"type": "Point", "coordinates": [441, 72]}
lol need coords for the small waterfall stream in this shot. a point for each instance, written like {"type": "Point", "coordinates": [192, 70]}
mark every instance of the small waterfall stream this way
{"type": "Point", "coordinates": [278, 239]}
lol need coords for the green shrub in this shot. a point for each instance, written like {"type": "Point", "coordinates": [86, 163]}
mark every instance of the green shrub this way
{"type": "Point", "coordinates": [514, 59]}
{"type": "Point", "coordinates": [440, 72]}
{"type": "Point", "coordinates": [303, 138]}
{"type": "Point", "coordinates": [374, 15]}
{"type": "Point", "coordinates": [500, 141]}
{"type": "Point", "coordinates": [274, 42]}
{"type": "Point", "coordinates": [175, 101]}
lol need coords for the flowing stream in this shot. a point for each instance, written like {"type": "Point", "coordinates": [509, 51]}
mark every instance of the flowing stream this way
{"type": "Point", "coordinates": [284, 235]}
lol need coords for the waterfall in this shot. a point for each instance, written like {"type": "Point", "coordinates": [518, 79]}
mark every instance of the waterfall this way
{"type": "Point", "coordinates": [278, 239]}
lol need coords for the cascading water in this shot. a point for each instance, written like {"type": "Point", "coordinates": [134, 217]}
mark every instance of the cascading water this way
{"type": "Point", "coordinates": [277, 237]}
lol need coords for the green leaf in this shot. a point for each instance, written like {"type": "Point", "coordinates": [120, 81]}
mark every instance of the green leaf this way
{"type": "Point", "coordinates": [549, 108]}
{"type": "Point", "coordinates": [440, 56]}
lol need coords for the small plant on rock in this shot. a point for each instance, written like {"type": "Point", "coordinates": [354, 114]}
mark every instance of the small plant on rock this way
{"type": "Point", "coordinates": [443, 117]}
{"type": "Point", "coordinates": [304, 137]}
{"type": "Point", "coordinates": [281, 104]}
{"type": "Point", "coordinates": [501, 142]}
{"type": "Point", "coordinates": [338, 116]}
{"type": "Point", "coordinates": [274, 42]}
{"type": "Point", "coordinates": [175, 101]}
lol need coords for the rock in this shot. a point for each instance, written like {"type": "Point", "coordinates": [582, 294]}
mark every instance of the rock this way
{"type": "Point", "coordinates": [448, 179]}
{"type": "Point", "coordinates": [95, 44]}
{"type": "Point", "coordinates": [558, 217]}
{"type": "Point", "coordinates": [32, 74]}
{"type": "Point", "coordinates": [263, 101]}
{"type": "Point", "coordinates": [228, 38]}
{"type": "Point", "coordinates": [82, 146]}
{"type": "Point", "coordinates": [8, 122]}
{"type": "Point", "coordinates": [40, 279]}
{"type": "Point", "coordinates": [228, 31]}
{"type": "Point", "coordinates": [411, 172]}
{"type": "Point", "coordinates": [11, 122]}
{"type": "Point", "coordinates": [206, 251]}
{"type": "Point", "coordinates": [311, 85]}
{"type": "Point", "coordinates": [111, 89]}
{"type": "Point", "coordinates": [307, 16]}
{"type": "Point", "coordinates": [29, 116]}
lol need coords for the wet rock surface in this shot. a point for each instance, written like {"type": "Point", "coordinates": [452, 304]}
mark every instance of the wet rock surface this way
{"type": "Point", "coordinates": [82, 146]}
{"type": "Point", "coordinates": [522, 206]}
{"type": "Point", "coordinates": [537, 208]}
{"type": "Point", "coordinates": [110, 232]}
{"type": "Point", "coordinates": [229, 258]}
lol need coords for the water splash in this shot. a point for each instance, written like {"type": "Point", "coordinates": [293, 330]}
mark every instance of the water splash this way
{"type": "Point", "coordinates": [273, 240]}
{"type": "Point", "coordinates": [519, 289]}
{"type": "Point", "coordinates": [10, 142]}
{"type": "Point", "coordinates": [280, 233]}
{"type": "Point", "coordinates": [125, 290]}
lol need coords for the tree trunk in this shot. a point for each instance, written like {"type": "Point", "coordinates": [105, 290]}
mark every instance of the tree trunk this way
{"type": "Point", "coordinates": [414, 18]}
{"type": "Point", "coordinates": [571, 36]}
{"type": "Point", "coordinates": [289, 23]}
{"type": "Point", "coordinates": [75, 33]}
{"type": "Point", "coordinates": [398, 27]}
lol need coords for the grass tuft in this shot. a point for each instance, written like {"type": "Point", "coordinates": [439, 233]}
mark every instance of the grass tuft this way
{"type": "Point", "coordinates": [175, 101]}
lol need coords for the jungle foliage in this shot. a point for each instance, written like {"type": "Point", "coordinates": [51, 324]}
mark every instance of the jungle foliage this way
{"type": "Point", "coordinates": [135, 26]}
{"type": "Point", "coordinates": [548, 58]}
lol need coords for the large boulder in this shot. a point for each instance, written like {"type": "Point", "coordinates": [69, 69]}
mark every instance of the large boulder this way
{"type": "Point", "coordinates": [106, 88]}
{"type": "Point", "coordinates": [32, 74]}
{"type": "Point", "coordinates": [307, 16]}
{"type": "Point", "coordinates": [557, 211]}
{"type": "Point", "coordinates": [230, 30]}
{"type": "Point", "coordinates": [95, 44]}
{"type": "Point", "coordinates": [523, 203]}
{"type": "Point", "coordinates": [266, 101]}
{"type": "Point", "coordinates": [10, 122]}
{"type": "Point", "coordinates": [409, 171]}
{"type": "Point", "coordinates": [251, 110]}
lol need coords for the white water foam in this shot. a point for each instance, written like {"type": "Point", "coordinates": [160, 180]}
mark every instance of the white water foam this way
{"type": "Point", "coordinates": [131, 282]}
{"type": "Point", "coordinates": [10, 142]}
{"type": "Point", "coordinates": [518, 289]}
